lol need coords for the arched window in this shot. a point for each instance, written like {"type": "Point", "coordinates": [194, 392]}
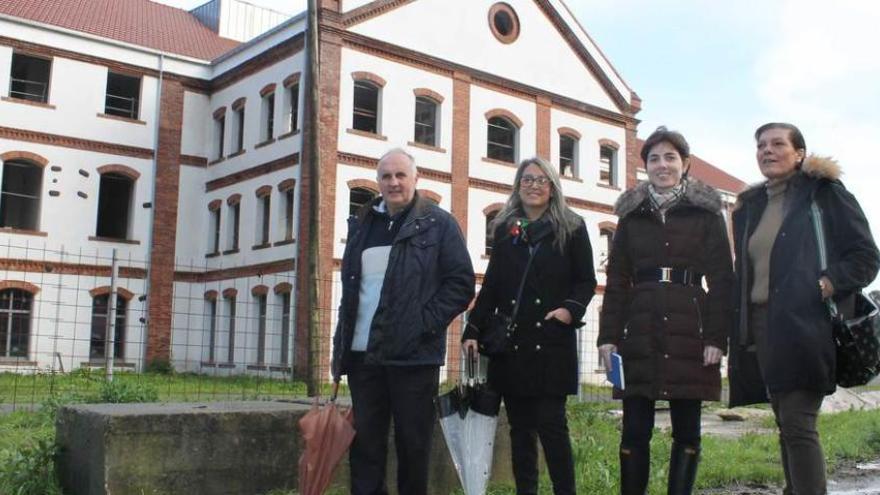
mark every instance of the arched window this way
{"type": "Point", "coordinates": [357, 198]}
{"type": "Point", "coordinates": [16, 306]}
{"type": "Point", "coordinates": [568, 162]}
{"type": "Point", "coordinates": [607, 165]}
{"type": "Point", "coordinates": [100, 313]}
{"type": "Point", "coordinates": [366, 107]}
{"type": "Point", "coordinates": [114, 206]}
{"type": "Point", "coordinates": [426, 121]}
{"type": "Point", "coordinates": [490, 218]}
{"type": "Point", "coordinates": [501, 140]}
{"type": "Point", "coordinates": [607, 236]}
{"type": "Point", "coordinates": [20, 195]}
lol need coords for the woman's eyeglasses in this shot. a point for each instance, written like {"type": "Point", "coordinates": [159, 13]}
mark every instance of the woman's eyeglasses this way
{"type": "Point", "coordinates": [531, 180]}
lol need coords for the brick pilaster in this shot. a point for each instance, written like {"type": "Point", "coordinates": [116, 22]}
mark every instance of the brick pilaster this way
{"type": "Point", "coordinates": [542, 128]}
{"type": "Point", "coordinates": [461, 115]}
{"type": "Point", "coordinates": [162, 247]}
{"type": "Point", "coordinates": [633, 161]}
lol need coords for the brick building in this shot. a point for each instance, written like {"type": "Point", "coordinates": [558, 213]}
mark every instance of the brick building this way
{"type": "Point", "coordinates": [176, 138]}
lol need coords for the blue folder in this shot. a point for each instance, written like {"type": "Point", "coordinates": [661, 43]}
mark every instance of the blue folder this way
{"type": "Point", "coordinates": [614, 374]}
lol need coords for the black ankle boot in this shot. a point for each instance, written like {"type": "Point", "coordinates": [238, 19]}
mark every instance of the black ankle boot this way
{"type": "Point", "coordinates": [635, 464]}
{"type": "Point", "coordinates": [682, 469]}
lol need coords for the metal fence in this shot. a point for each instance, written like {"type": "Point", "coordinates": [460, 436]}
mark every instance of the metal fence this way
{"type": "Point", "coordinates": [234, 334]}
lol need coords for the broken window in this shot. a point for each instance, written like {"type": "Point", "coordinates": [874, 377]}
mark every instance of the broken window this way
{"type": "Point", "coordinates": [501, 142]}
{"type": "Point", "coordinates": [357, 198]}
{"type": "Point", "coordinates": [607, 165]}
{"type": "Point", "coordinates": [239, 128]}
{"type": "Point", "coordinates": [285, 327]}
{"type": "Point", "coordinates": [261, 327]}
{"type": "Point", "coordinates": [20, 195]}
{"type": "Point", "coordinates": [567, 156]}
{"type": "Point", "coordinates": [366, 107]}
{"type": "Point", "coordinates": [100, 313]}
{"type": "Point", "coordinates": [293, 107]}
{"type": "Point", "coordinates": [123, 95]}
{"type": "Point", "coordinates": [219, 133]}
{"type": "Point", "coordinates": [114, 204]}
{"type": "Point", "coordinates": [212, 329]}
{"type": "Point", "coordinates": [490, 231]}
{"type": "Point", "coordinates": [268, 116]}
{"type": "Point", "coordinates": [15, 322]}
{"type": "Point", "coordinates": [29, 78]}
{"type": "Point", "coordinates": [288, 214]}
{"type": "Point", "coordinates": [426, 121]}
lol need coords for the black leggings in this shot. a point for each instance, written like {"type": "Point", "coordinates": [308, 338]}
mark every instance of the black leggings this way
{"type": "Point", "coordinates": [638, 422]}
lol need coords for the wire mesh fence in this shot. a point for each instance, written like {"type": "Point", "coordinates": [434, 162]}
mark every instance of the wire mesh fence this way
{"type": "Point", "coordinates": [234, 332]}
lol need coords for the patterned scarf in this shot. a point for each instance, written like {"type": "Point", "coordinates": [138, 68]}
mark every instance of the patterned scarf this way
{"type": "Point", "coordinates": [662, 201]}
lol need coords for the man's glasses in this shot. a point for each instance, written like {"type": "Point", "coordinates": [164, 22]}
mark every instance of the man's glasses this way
{"type": "Point", "coordinates": [531, 180]}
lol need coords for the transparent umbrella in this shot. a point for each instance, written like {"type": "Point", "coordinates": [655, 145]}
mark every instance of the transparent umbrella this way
{"type": "Point", "coordinates": [469, 416]}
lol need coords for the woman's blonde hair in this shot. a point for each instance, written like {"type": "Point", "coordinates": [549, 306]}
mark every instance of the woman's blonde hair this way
{"type": "Point", "coordinates": [562, 219]}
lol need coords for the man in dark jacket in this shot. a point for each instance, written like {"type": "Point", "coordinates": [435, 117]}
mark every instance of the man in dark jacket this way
{"type": "Point", "coordinates": [406, 274]}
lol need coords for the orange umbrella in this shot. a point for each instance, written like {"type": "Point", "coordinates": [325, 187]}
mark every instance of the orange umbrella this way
{"type": "Point", "coordinates": [328, 433]}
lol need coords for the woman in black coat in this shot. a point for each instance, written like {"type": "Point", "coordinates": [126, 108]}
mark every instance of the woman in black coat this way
{"type": "Point", "coordinates": [539, 367]}
{"type": "Point", "coordinates": [781, 341]}
{"type": "Point", "coordinates": [669, 331]}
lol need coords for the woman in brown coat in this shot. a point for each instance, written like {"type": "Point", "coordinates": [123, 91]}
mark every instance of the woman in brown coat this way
{"type": "Point", "coordinates": [670, 332]}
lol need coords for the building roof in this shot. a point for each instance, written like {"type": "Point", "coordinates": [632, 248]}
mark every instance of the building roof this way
{"type": "Point", "coordinates": [139, 22]}
{"type": "Point", "coordinates": [708, 173]}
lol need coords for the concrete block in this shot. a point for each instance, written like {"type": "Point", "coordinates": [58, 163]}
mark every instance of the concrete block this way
{"type": "Point", "coordinates": [215, 448]}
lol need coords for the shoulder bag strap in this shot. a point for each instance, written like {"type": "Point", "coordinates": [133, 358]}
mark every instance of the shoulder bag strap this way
{"type": "Point", "coordinates": [522, 283]}
{"type": "Point", "coordinates": [823, 253]}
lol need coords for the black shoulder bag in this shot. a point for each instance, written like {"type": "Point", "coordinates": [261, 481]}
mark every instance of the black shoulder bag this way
{"type": "Point", "coordinates": [857, 339]}
{"type": "Point", "coordinates": [492, 341]}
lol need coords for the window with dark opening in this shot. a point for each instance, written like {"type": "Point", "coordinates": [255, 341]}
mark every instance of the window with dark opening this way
{"type": "Point", "coordinates": [123, 95]}
{"type": "Point", "coordinates": [239, 129]}
{"type": "Point", "coordinates": [114, 203]}
{"type": "Point", "coordinates": [490, 230]}
{"type": "Point", "coordinates": [607, 236]}
{"type": "Point", "coordinates": [501, 140]}
{"type": "Point", "coordinates": [15, 322]}
{"type": "Point", "coordinates": [567, 156]}
{"type": "Point", "coordinates": [285, 327]}
{"type": "Point", "coordinates": [504, 22]}
{"type": "Point", "coordinates": [230, 311]}
{"type": "Point", "coordinates": [212, 329]}
{"type": "Point", "coordinates": [357, 198]}
{"type": "Point", "coordinates": [293, 107]}
{"type": "Point", "coordinates": [426, 121]}
{"type": "Point", "coordinates": [288, 214]}
{"type": "Point", "coordinates": [265, 207]}
{"type": "Point", "coordinates": [269, 116]}
{"type": "Point", "coordinates": [261, 328]}
{"type": "Point", "coordinates": [29, 78]}
{"type": "Point", "coordinates": [100, 313]}
{"type": "Point", "coordinates": [215, 229]}
{"type": "Point", "coordinates": [366, 107]}
{"type": "Point", "coordinates": [607, 158]}
{"type": "Point", "coordinates": [220, 133]}
{"type": "Point", "coordinates": [20, 195]}
{"type": "Point", "coordinates": [235, 213]}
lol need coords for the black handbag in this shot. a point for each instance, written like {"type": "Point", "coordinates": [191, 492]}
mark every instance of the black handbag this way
{"type": "Point", "coordinates": [856, 339]}
{"type": "Point", "coordinates": [493, 340]}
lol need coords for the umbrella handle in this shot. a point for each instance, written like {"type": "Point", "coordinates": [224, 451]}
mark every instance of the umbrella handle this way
{"type": "Point", "coordinates": [334, 391]}
{"type": "Point", "coordinates": [471, 365]}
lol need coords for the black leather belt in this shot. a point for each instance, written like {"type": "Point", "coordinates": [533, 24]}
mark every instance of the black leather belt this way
{"type": "Point", "coordinates": [669, 275]}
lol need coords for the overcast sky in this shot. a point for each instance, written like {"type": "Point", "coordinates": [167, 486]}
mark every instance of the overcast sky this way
{"type": "Point", "coordinates": [716, 70]}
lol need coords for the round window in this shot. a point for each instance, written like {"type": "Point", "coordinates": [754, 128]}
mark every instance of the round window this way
{"type": "Point", "coordinates": [504, 22]}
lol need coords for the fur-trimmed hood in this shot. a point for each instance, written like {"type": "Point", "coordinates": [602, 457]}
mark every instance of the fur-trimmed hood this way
{"type": "Point", "coordinates": [814, 166]}
{"type": "Point", "coordinates": [696, 193]}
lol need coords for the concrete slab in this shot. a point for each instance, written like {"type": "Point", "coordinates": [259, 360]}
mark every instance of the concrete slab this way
{"type": "Point", "coordinates": [241, 448]}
